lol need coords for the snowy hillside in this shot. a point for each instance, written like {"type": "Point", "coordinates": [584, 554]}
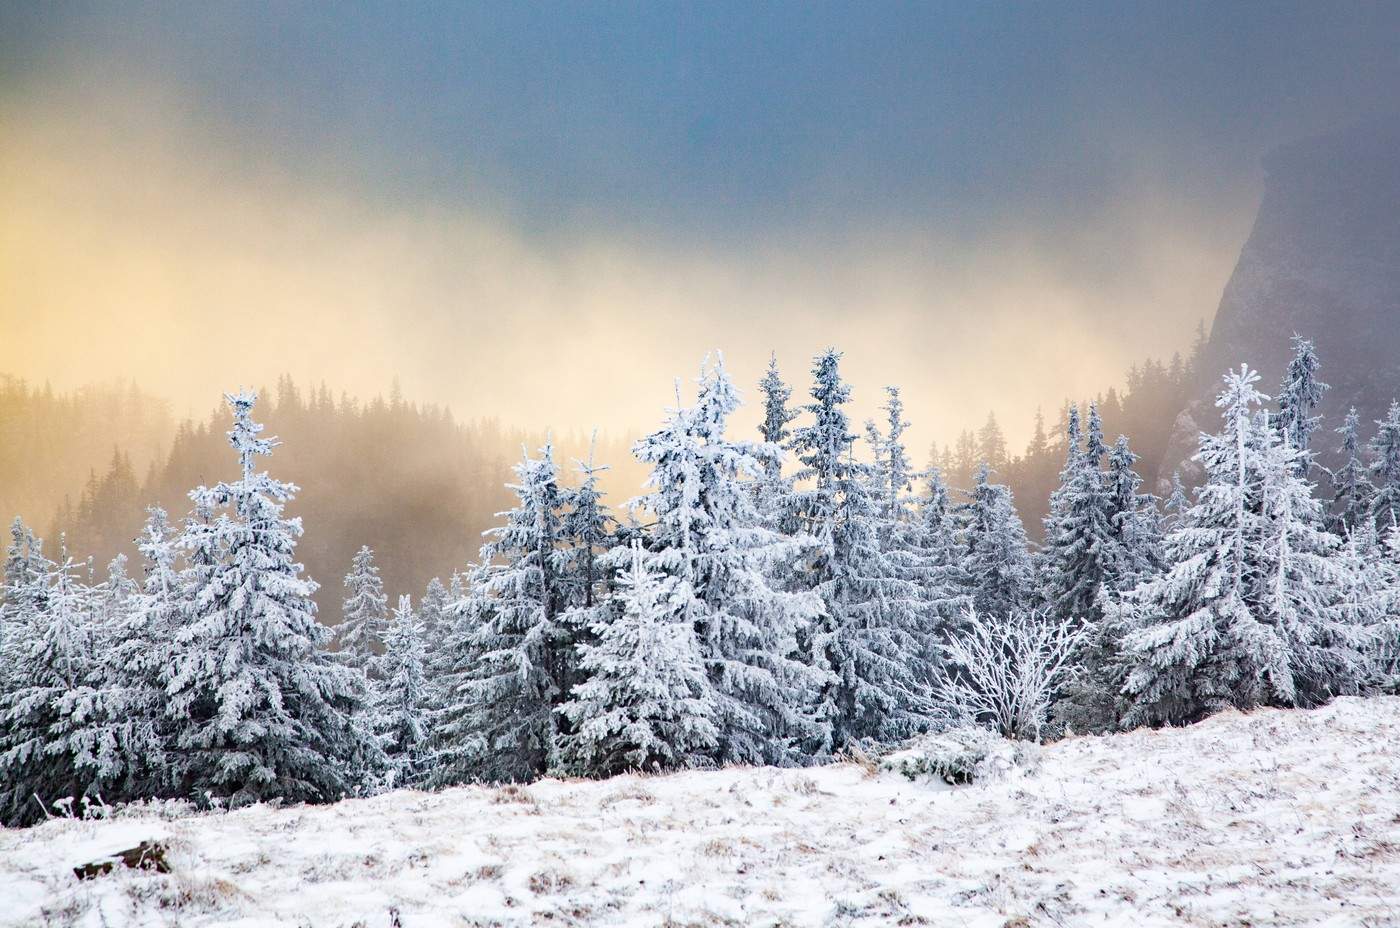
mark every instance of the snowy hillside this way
{"type": "Point", "coordinates": [1277, 817]}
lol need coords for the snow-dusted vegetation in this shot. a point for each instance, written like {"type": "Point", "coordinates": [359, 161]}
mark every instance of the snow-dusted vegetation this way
{"type": "Point", "coordinates": [816, 644]}
{"type": "Point", "coordinates": [1267, 818]}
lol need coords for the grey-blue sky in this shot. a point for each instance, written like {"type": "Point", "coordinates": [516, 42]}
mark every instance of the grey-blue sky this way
{"type": "Point", "coordinates": [724, 118]}
{"type": "Point", "coordinates": [994, 206]}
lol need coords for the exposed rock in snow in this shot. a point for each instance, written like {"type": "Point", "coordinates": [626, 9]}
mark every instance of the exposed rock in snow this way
{"type": "Point", "coordinates": [1271, 818]}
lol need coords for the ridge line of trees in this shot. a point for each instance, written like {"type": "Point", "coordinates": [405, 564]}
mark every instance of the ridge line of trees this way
{"type": "Point", "coordinates": [774, 600]}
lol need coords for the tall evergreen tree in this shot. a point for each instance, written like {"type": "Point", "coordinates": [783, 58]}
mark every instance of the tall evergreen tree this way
{"type": "Point", "coordinates": [359, 636]}
{"type": "Point", "coordinates": [916, 538]}
{"type": "Point", "coordinates": [1385, 471]}
{"type": "Point", "coordinates": [432, 610]}
{"type": "Point", "coordinates": [1242, 617]}
{"type": "Point", "coordinates": [1080, 557]}
{"type": "Point", "coordinates": [996, 556]}
{"type": "Point", "coordinates": [402, 700]}
{"type": "Point", "coordinates": [1177, 503]}
{"type": "Point", "coordinates": [511, 653]}
{"type": "Point", "coordinates": [773, 491]}
{"type": "Point", "coordinates": [21, 596]}
{"type": "Point", "coordinates": [1299, 394]}
{"type": "Point", "coordinates": [44, 754]}
{"type": "Point", "coordinates": [647, 703]}
{"type": "Point", "coordinates": [711, 540]}
{"type": "Point", "coordinates": [1133, 518]}
{"type": "Point", "coordinates": [258, 706]}
{"type": "Point", "coordinates": [1351, 490]}
{"type": "Point", "coordinates": [867, 643]}
{"type": "Point", "coordinates": [1090, 700]}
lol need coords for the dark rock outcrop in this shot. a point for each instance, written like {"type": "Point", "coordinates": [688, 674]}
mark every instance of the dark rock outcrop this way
{"type": "Point", "coordinates": [1322, 261]}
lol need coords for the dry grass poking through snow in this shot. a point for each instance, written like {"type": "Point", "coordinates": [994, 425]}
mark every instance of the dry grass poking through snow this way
{"type": "Point", "coordinates": [1273, 818]}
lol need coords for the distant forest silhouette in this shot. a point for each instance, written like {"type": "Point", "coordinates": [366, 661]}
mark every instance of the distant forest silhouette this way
{"type": "Point", "coordinates": [409, 479]}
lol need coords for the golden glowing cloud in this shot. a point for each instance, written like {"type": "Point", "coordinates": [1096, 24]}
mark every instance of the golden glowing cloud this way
{"type": "Point", "coordinates": [150, 252]}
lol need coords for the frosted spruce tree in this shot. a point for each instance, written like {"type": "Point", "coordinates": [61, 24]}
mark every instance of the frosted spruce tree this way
{"type": "Point", "coordinates": [586, 535]}
{"type": "Point", "coordinates": [1176, 504]}
{"type": "Point", "coordinates": [1134, 518]}
{"type": "Point", "coordinates": [402, 701]}
{"type": "Point", "coordinates": [773, 491]}
{"type": "Point", "coordinates": [1299, 395]}
{"type": "Point", "coordinates": [1373, 596]}
{"type": "Point", "coordinates": [1090, 699]}
{"type": "Point", "coordinates": [1304, 581]}
{"type": "Point", "coordinates": [359, 636]}
{"type": "Point", "coordinates": [1385, 472]}
{"type": "Point", "coordinates": [511, 655]}
{"type": "Point", "coordinates": [113, 599]}
{"type": "Point", "coordinates": [432, 610]}
{"type": "Point", "coordinates": [123, 712]}
{"type": "Point", "coordinates": [868, 643]}
{"type": "Point", "coordinates": [917, 544]}
{"type": "Point", "coordinates": [1244, 614]}
{"type": "Point", "coordinates": [259, 708]}
{"type": "Point", "coordinates": [21, 596]}
{"type": "Point", "coordinates": [1351, 490]}
{"type": "Point", "coordinates": [1081, 556]}
{"type": "Point", "coordinates": [45, 755]}
{"type": "Point", "coordinates": [996, 557]}
{"type": "Point", "coordinates": [709, 539]}
{"type": "Point", "coordinates": [647, 703]}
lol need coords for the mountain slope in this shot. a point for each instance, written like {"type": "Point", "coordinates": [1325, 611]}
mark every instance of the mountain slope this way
{"type": "Point", "coordinates": [1277, 817]}
{"type": "Point", "coordinates": [1322, 261]}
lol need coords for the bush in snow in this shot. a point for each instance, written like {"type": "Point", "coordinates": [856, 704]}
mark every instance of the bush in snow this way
{"type": "Point", "coordinates": [1003, 672]}
{"type": "Point", "coordinates": [966, 754]}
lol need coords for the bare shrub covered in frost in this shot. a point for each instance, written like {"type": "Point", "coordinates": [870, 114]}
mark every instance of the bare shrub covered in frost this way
{"type": "Point", "coordinates": [1004, 671]}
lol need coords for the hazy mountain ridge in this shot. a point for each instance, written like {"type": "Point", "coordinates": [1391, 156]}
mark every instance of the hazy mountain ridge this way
{"type": "Point", "coordinates": [1322, 261]}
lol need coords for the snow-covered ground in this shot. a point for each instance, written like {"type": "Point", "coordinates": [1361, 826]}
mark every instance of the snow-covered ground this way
{"type": "Point", "coordinates": [1272, 818]}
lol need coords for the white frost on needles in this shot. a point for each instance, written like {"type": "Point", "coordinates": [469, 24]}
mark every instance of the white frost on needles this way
{"type": "Point", "coordinates": [1275, 817]}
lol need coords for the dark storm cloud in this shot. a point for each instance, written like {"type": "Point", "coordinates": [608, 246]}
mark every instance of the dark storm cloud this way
{"type": "Point", "coordinates": [722, 117]}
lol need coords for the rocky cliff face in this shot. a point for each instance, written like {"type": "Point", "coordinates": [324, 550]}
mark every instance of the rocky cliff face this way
{"type": "Point", "coordinates": [1323, 260]}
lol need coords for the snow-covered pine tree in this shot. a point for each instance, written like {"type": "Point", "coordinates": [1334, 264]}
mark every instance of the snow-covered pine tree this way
{"type": "Point", "coordinates": [1177, 502]}
{"type": "Point", "coordinates": [1242, 617]}
{"type": "Point", "coordinates": [773, 492]}
{"type": "Point", "coordinates": [456, 743]}
{"type": "Point", "coordinates": [1299, 394]}
{"type": "Point", "coordinates": [1094, 448]}
{"type": "Point", "coordinates": [55, 658]}
{"type": "Point", "coordinates": [710, 540]}
{"type": "Point", "coordinates": [259, 708]}
{"type": "Point", "coordinates": [1385, 472]}
{"type": "Point", "coordinates": [359, 636]}
{"type": "Point", "coordinates": [1314, 652]}
{"type": "Point", "coordinates": [21, 596]}
{"type": "Point", "coordinates": [136, 679]}
{"type": "Point", "coordinates": [1133, 517]}
{"type": "Point", "coordinates": [1373, 598]}
{"type": "Point", "coordinates": [114, 597]}
{"type": "Point", "coordinates": [432, 610]}
{"type": "Point", "coordinates": [402, 700]}
{"type": "Point", "coordinates": [996, 556]}
{"type": "Point", "coordinates": [647, 703]}
{"type": "Point", "coordinates": [1080, 556]}
{"type": "Point", "coordinates": [510, 655]}
{"type": "Point", "coordinates": [1351, 490]}
{"type": "Point", "coordinates": [918, 544]}
{"type": "Point", "coordinates": [586, 536]}
{"type": "Point", "coordinates": [1091, 700]}
{"type": "Point", "coordinates": [867, 642]}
